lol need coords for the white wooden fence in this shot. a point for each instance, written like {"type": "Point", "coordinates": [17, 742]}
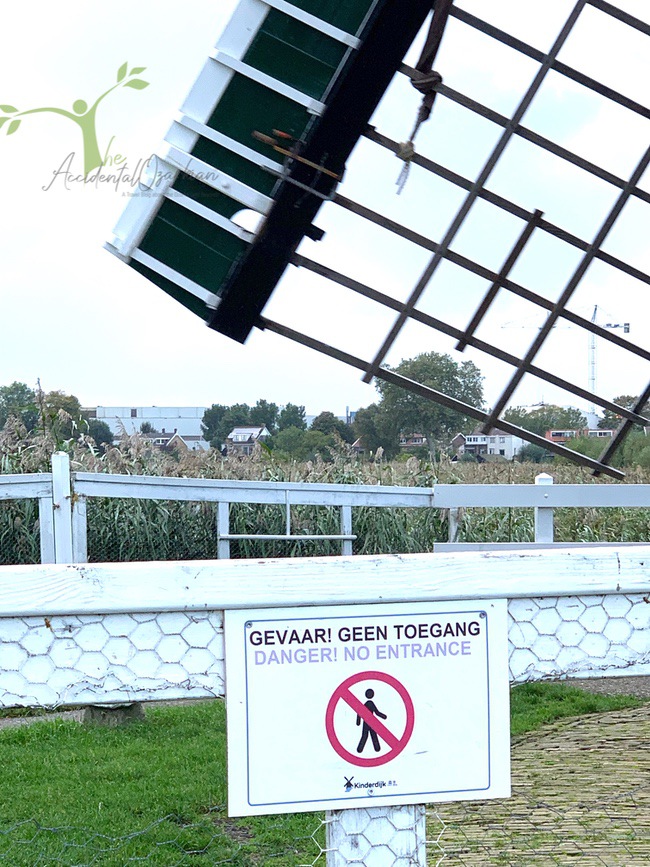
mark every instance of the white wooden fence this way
{"type": "Point", "coordinates": [115, 632]}
{"type": "Point", "coordinates": [63, 498]}
{"type": "Point", "coordinates": [74, 633]}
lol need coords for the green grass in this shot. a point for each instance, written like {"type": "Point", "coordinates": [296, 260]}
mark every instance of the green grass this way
{"type": "Point", "coordinates": [156, 791]}
{"type": "Point", "coordinates": [533, 705]}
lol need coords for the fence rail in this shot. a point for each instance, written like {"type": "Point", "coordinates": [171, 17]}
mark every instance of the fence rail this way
{"type": "Point", "coordinates": [37, 486]}
{"type": "Point", "coordinates": [19, 487]}
{"type": "Point", "coordinates": [63, 499]}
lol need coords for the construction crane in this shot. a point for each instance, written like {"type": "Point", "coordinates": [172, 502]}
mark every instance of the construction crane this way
{"type": "Point", "coordinates": [592, 350]}
{"type": "Point", "coordinates": [591, 359]}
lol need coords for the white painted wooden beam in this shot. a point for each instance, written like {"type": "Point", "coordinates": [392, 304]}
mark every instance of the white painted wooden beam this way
{"type": "Point", "coordinates": [211, 216]}
{"type": "Point", "coordinates": [218, 180]}
{"type": "Point", "coordinates": [208, 298]}
{"type": "Point", "coordinates": [62, 507]}
{"type": "Point", "coordinates": [23, 487]}
{"type": "Point", "coordinates": [214, 585]}
{"type": "Point", "coordinates": [235, 491]}
{"type": "Point", "coordinates": [188, 124]}
{"type": "Point", "coordinates": [312, 21]}
{"type": "Point", "coordinates": [312, 105]}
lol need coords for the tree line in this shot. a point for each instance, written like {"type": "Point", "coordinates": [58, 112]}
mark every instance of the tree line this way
{"type": "Point", "coordinates": [401, 412]}
{"type": "Point", "coordinates": [396, 413]}
{"type": "Point", "coordinates": [55, 412]}
{"type": "Point", "coordinates": [377, 426]}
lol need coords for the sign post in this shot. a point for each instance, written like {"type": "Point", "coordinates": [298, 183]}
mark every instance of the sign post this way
{"type": "Point", "coordinates": [394, 835]}
{"type": "Point", "coordinates": [367, 707]}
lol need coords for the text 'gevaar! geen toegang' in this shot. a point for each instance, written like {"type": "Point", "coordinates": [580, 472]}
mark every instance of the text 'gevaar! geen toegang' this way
{"type": "Point", "coordinates": [371, 641]}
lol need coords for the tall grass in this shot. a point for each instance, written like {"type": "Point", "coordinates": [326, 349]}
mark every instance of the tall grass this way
{"type": "Point", "coordinates": [19, 532]}
{"type": "Point", "coordinates": [120, 530]}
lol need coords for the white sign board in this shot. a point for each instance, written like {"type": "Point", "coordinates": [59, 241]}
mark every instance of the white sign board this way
{"type": "Point", "coordinates": [333, 707]}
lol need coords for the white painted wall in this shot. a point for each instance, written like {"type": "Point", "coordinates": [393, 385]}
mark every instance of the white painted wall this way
{"type": "Point", "coordinates": [571, 612]}
{"type": "Point", "coordinates": [185, 419]}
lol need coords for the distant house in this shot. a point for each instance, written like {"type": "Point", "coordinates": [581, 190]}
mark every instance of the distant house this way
{"type": "Point", "coordinates": [562, 436]}
{"type": "Point", "coordinates": [411, 441]}
{"type": "Point", "coordinates": [599, 434]}
{"type": "Point", "coordinates": [187, 443]}
{"type": "Point", "coordinates": [242, 440]}
{"type": "Point", "coordinates": [496, 442]}
{"type": "Point", "coordinates": [174, 440]}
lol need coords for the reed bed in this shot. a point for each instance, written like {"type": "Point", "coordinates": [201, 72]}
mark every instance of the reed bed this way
{"type": "Point", "coordinates": [123, 530]}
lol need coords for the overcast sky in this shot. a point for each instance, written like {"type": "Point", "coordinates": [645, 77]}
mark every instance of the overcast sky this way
{"type": "Point", "coordinates": [81, 321]}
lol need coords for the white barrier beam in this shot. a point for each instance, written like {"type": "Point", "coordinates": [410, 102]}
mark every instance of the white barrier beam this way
{"type": "Point", "coordinates": [202, 585]}
{"type": "Point", "coordinates": [84, 633]}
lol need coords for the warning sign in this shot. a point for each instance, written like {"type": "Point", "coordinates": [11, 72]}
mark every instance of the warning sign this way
{"type": "Point", "coordinates": [329, 707]}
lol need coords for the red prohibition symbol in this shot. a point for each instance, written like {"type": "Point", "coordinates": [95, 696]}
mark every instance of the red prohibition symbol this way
{"type": "Point", "coordinates": [372, 724]}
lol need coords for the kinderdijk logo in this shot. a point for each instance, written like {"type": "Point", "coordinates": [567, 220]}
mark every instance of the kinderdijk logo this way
{"type": "Point", "coordinates": [85, 118]}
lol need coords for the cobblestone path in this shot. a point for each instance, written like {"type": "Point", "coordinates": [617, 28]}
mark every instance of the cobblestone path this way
{"type": "Point", "coordinates": [581, 796]}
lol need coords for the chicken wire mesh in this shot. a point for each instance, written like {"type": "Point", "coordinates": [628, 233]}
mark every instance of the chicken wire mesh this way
{"type": "Point", "coordinates": [121, 530]}
{"type": "Point", "coordinates": [606, 832]}
{"type": "Point", "coordinates": [19, 532]}
{"type": "Point", "coordinates": [172, 841]}
{"type": "Point", "coordinates": [580, 795]}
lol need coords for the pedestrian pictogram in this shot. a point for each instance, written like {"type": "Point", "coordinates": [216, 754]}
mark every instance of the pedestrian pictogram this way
{"type": "Point", "coordinates": [367, 730]}
{"type": "Point", "coordinates": [371, 719]}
